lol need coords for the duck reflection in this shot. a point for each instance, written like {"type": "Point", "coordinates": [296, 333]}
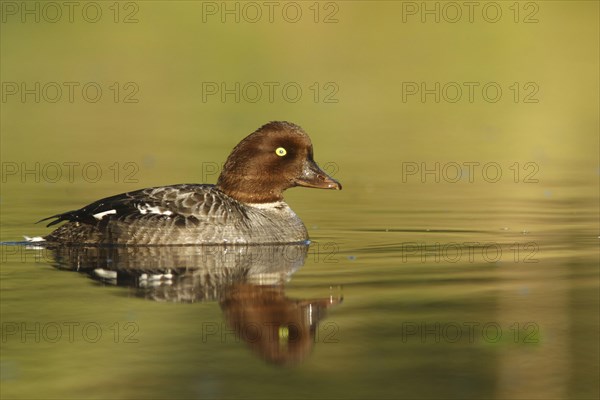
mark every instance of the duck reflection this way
{"type": "Point", "coordinates": [247, 281]}
{"type": "Point", "coordinates": [281, 330]}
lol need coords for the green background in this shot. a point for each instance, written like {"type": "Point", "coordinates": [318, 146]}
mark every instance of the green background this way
{"type": "Point", "coordinates": [362, 56]}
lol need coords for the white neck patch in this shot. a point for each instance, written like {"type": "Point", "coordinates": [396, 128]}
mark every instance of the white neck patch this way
{"type": "Point", "coordinates": [268, 206]}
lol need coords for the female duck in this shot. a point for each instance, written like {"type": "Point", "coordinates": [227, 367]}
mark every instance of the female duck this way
{"type": "Point", "coordinates": [245, 206]}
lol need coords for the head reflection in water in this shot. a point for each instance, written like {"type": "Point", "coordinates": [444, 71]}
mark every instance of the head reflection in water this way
{"type": "Point", "coordinates": [247, 281]}
{"type": "Point", "coordinates": [281, 330]}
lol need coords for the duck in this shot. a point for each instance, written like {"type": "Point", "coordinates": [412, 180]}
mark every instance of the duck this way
{"type": "Point", "coordinates": [245, 206]}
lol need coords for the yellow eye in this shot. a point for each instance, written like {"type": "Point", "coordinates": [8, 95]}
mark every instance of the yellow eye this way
{"type": "Point", "coordinates": [284, 332]}
{"type": "Point", "coordinates": [280, 151]}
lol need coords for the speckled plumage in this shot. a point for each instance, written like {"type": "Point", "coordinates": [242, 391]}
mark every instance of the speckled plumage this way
{"type": "Point", "coordinates": [200, 214]}
{"type": "Point", "coordinates": [246, 206]}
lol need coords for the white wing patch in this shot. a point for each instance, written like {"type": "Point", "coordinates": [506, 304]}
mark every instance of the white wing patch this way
{"type": "Point", "coordinates": [101, 215]}
{"type": "Point", "coordinates": [105, 273]}
{"type": "Point", "coordinates": [146, 208]}
{"type": "Point", "coordinates": [34, 239]}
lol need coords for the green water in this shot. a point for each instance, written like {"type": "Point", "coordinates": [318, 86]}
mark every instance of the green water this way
{"type": "Point", "coordinates": [459, 261]}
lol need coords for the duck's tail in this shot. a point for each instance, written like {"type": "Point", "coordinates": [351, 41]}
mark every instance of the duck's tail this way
{"type": "Point", "coordinates": [68, 216]}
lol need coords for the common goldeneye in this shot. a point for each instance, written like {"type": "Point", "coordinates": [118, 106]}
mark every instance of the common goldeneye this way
{"type": "Point", "coordinates": [245, 206]}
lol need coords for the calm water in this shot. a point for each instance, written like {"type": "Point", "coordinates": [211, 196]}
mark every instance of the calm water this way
{"type": "Point", "coordinates": [461, 259]}
{"type": "Point", "coordinates": [416, 298]}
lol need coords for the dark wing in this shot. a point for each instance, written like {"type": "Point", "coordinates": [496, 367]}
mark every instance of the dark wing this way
{"type": "Point", "coordinates": [185, 203]}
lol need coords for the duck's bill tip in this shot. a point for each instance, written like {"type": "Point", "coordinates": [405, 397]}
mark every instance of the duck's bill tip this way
{"type": "Point", "coordinates": [314, 177]}
{"type": "Point", "coordinates": [335, 185]}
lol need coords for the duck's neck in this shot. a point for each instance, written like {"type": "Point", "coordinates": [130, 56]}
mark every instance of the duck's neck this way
{"type": "Point", "coordinates": [248, 190]}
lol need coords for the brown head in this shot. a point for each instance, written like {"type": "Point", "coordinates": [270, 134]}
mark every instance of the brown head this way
{"type": "Point", "coordinates": [278, 156]}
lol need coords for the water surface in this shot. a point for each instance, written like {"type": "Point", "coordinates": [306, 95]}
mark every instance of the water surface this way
{"type": "Point", "coordinates": [459, 261]}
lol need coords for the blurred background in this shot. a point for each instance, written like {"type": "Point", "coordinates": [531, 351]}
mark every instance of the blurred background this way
{"type": "Point", "coordinates": [446, 122]}
{"type": "Point", "coordinates": [161, 67]}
